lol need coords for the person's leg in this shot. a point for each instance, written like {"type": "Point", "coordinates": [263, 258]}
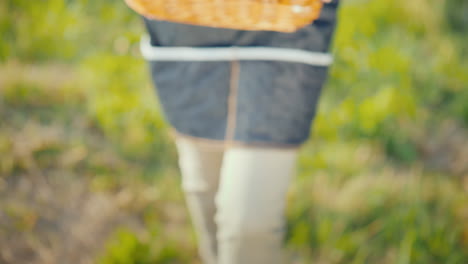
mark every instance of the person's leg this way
{"type": "Point", "coordinates": [251, 203]}
{"type": "Point", "coordinates": [200, 169]}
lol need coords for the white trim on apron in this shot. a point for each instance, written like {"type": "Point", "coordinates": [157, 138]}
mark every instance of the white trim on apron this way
{"type": "Point", "coordinates": [234, 53]}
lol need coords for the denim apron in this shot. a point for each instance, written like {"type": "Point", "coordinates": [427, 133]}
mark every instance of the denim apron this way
{"type": "Point", "coordinates": [240, 87]}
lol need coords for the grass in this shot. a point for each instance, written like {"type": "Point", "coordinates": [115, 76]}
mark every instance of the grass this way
{"type": "Point", "coordinates": [88, 171]}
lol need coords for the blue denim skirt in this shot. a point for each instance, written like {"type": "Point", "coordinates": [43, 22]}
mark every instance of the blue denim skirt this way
{"type": "Point", "coordinates": [240, 87]}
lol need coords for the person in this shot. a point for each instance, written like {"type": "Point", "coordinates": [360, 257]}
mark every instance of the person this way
{"type": "Point", "coordinates": [241, 103]}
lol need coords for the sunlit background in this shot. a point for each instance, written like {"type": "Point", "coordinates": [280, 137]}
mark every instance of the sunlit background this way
{"type": "Point", "coordinates": [88, 171]}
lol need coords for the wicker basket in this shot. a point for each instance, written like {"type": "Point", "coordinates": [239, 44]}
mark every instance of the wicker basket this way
{"type": "Point", "coordinates": [276, 15]}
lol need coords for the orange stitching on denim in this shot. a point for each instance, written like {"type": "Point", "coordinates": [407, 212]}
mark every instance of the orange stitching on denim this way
{"type": "Point", "coordinates": [232, 102]}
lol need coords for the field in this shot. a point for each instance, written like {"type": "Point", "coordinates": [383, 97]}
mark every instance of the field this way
{"type": "Point", "coordinates": [88, 172]}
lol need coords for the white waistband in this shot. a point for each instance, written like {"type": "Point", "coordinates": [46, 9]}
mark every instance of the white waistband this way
{"type": "Point", "coordinates": [153, 53]}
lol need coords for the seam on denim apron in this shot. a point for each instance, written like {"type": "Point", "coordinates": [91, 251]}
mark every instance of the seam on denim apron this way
{"type": "Point", "coordinates": [217, 144]}
{"type": "Point", "coordinates": [232, 102]}
{"type": "Point", "coordinates": [206, 142]}
{"type": "Point", "coordinates": [264, 145]}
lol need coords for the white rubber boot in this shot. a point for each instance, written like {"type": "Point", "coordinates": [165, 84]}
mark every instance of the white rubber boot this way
{"type": "Point", "coordinates": [200, 168]}
{"type": "Point", "coordinates": [251, 203]}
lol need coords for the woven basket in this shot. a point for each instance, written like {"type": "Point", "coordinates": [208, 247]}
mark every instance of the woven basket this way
{"type": "Point", "coordinates": [276, 15]}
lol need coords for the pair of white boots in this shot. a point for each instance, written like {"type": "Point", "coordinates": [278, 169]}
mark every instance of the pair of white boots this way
{"type": "Point", "coordinates": [236, 199]}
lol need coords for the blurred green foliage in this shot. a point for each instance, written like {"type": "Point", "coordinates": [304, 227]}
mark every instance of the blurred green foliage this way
{"type": "Point", "coordinates": [372, 188]}
{"type": "Point", "coordinates": [126, 248]}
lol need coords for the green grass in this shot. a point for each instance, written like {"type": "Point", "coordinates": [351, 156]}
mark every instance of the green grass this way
{"type": "Point", "coordinates": [382, 180]}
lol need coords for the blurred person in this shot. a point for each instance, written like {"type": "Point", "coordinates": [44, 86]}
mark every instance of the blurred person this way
{"type": "Point", "coordinates": [241, 104]}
